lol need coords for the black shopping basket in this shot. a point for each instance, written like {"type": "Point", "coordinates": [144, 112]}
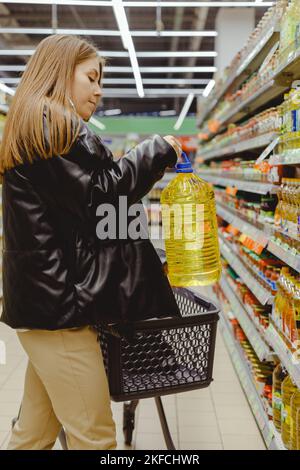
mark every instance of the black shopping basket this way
{"type": "Point", "coordinates": [167, 355]}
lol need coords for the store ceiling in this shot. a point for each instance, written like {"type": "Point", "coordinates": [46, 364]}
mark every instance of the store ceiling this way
{"type": "Point", "coordinates": [16, 15]}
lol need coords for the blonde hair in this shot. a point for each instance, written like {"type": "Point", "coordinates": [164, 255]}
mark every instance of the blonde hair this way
{"type": "Point", "coordinates": [45, 85]}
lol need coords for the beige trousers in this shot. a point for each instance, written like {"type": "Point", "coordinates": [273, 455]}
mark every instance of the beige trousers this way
{"type": "Point", "coordinates": [65, 385]}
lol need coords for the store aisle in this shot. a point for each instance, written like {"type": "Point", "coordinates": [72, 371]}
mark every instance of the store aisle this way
{"type": "Point", "coordinates": [216, 418]}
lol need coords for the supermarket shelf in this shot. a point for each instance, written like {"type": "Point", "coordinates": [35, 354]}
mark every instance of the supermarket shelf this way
{"type": "Point", "coordinates": [283, 76]}
{"type": "Point", "coordinates": [288, 158]}
{"type": "Point", "coordinates": [248, 66]}
{"type": "Point", "coordinates": [278, 444]}
{"type": "Point", "coordinates": [271, 437]}
{"type": "Point", "coordinates": [262, 294]}
{"type": "Point", "coordinates": [261, 97]}
{"type": "Point", "coordinates": [242, 185]}
{"type": "Point", "coordinates": [261, 236]}
{"type": "Point", "coordinates": [255, 337]}
{"type": "Point", "coordinates": [286, 256]}
{"type": "Point", "coordinates": [245, 227]}
{"type": "Point", "coordinates": [256, 142]}
{"type": "Point", "coordinates": [290, 362]}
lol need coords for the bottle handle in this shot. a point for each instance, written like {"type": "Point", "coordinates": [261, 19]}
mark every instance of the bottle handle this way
{"type": "Point", "coordinates": [185, 157]}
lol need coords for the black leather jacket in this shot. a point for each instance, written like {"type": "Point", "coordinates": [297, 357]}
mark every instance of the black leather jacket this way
{"type": "Point", "coordinates": [56, 272]}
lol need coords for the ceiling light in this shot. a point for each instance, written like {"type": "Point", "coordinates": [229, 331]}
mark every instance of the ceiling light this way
{"type": "Point", "coordinates": [21, 68]}
{"type": "Point", "coordinates": [143, 4]}
{"type": "Point", "coordinates": [97, 123]}
{"type": "Point", "coordinates": [170, 112]}
{"type": "Point", "coordinates": [6, 89]}
{"type": "Point", "coordinates": [112, 112]}
{"type": "Point", "coordinates": [184, 111]}
{"type": "Point", "coordinates": [121, 18]}
{"type": "Point", "coordinates": [145, 55]}
{"type": "Point", "coordinates": [106, 32]}
{"type": "Point", "coordinates": [209, 88]}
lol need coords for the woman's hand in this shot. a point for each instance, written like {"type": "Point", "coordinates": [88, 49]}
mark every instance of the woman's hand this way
{"type": "Point", "coordinates": [175, 144]}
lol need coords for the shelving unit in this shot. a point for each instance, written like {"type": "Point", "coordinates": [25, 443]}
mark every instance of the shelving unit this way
{"type": "Point", "coordinates": [291, 362]}
{"type": "Point", "coordinates": [261, 293]}
{"type": "Point", "coordinates": [288, 158]}
{"type": "Point", "coordinates": [253, 332]}
{"type": "Point", "coordinates": [258, 235]}
{"type": "Point", "coordinates": [261, 236]}
{"type": "Point", "coordinates": [250, 144]}
{"type": "Point", "coordinates": [242, 185]}
{"type": "Point", "coordinates": [248, 66]}
{"type": "Point", "coordinates": [279, 82]}
{"type": "Point", "coordinates": [271, 437]}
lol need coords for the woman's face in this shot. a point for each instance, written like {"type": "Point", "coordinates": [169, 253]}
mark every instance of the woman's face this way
{"type": "Point", "coordinates": [86, 90]}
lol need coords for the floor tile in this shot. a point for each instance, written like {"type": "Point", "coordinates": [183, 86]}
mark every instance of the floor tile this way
{"type": "Point", "coordinates": [200, 446]}
{"type": "Point", "coordinates": [238, 442]}
{"type": "Point", "coordinates": [199, 434]}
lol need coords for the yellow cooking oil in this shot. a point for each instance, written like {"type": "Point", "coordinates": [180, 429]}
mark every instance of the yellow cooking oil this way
{"type": "Point", "coordinates": [190, 229]}
{"type": "Point", "coordinates": [288, 388]}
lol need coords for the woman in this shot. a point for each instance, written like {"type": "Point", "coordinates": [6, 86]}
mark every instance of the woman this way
{"type": "Point", "coordinates": [59, 278]}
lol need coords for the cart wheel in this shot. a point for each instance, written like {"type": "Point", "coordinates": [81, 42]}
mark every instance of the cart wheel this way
{"type": "Point", "coordinates": [128, 423]}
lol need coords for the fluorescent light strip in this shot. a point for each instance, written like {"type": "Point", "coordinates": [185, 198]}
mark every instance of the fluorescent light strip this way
{"type": "Point", "coordinates": [184, 111]}
{"type": "Point", "coordinates": [152, 91]}
{"type": "Point", "coordinates": [21, 68]}
{"type": "Point", "coordinates": [131, 81]}
{"type": "Point", "coordinates": [143, 4]}
{"type": "Point", "coordinates": [209, 88]}
{"type": "Point", "coordinates": [170, 112]}
{"type": "Point", "coordinates": [112, 112]}
{"type": "Point", "coordinates": [144, 55]}
{"type": "Point", "coordinates": [121, 18]}
{"type": "Point", "coordinates": [198, 4]}
{"type": "Point", "coordinates": [97, 123]}
{"type": "Point", "coordinates": [106, 32]}
{"type": "Point", "coordinates": [6, 89]}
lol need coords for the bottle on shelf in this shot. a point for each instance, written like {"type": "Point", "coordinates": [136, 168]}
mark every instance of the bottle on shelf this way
{"type": "Point", "coordinates": [288, 388]}
{"type": "Point", "coordinates": [190, 229]}
{"type": "Point", "coordinates": [295, 420]}
{"type": "Point", "coordinates": [279, 374]}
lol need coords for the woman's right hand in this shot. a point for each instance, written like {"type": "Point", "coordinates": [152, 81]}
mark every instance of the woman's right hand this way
{"type": "Point", "coordinates": [175, 144]}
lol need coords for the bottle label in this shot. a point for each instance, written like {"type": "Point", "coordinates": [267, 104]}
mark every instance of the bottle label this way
{"type": "Point", "coordinates": [286, 414]}
{"type": "Point", "coordinates": [294, 121]}
{"type": "Point", "coordinates": [277, 401]}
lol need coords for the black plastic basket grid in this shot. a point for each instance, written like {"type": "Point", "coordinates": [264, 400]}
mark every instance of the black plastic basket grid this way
{"type": "Point", "coordinates": [168, 355]}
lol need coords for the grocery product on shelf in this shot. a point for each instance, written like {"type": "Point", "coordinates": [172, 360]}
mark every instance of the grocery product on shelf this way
{"type": "Point", "coordinates": [295, 420]}
{"type": "Point", "coordinates": [289, 26]}
{"type": "Point", "coordinates": [279, 374]}
{"type": "Point", "coordinates": [286, 313]}
{"type": "Point", "coordinates": [259, 125]}
{"type": "Point", "coordinates": [269, 20]}
{"type": "Point", "coordinates": [288, 388]}
{"type": "Point", "coordinates": [258, 313]}
{"type": "Point", "coordinates": [190, 228]}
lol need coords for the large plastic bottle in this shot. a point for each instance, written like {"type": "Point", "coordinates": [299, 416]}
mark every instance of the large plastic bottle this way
{"type": "Point", "coordinates": [279, 374]}
{"type": "Point", "coordinates": [288, 388]}
{"type": "Point", "coordinates": [190, 229]}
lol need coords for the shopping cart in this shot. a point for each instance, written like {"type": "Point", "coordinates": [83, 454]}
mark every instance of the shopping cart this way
{"type": "Point", "coordinates": [164, 356]}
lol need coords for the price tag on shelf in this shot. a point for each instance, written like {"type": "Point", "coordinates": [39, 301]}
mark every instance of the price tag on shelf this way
{"type": "Point", "coordinates": [268, 150]}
